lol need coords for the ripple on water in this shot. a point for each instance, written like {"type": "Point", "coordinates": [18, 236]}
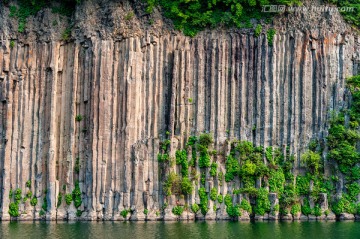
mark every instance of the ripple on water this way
{"type": "Point", "coordinates": [181, 230]}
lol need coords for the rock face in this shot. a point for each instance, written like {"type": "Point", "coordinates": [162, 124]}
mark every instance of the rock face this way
{"type": "Point", "coordinates": [104, 103]}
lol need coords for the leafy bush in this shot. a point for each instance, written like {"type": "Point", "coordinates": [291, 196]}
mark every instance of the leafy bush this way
{"type": "Point", "coordinates": [245, 149]}
{"type": "Point", "coordinates": [164, 145]}
{"type": "Point", "coordinates": [192, 141]}
{"type": "Point", "coordinates": [248, 169]}
{"type": "Point", "coordinates": [205, 140]}
{"type": "Point", "coordinates": [78, 118]}
{"type": "Point", "coordinates": [172, 184]}
{"type": "Point", "coordinates": [59, 200]}
{"type": "Point", "coordinates": [353, 191]}
{"type": "Point", "coordinates": [228, 200]}
{"type": "Point", "coordinates": [18, 195]}
{"type": "Point", "coordinates": [252, 191]}
{"type": "Point", "coordinates": [178, 210]}
{"type": "Point", "coordinates": [258, 30]}
{"type": "Point", "coordinates": [220, 198]}
{"type": "Point", "coordinates": [344, 205]}
{"type": "Point", "coordinates": [203, 178]}
{"type": "Point", "coordinates": [213, 169]}
{"type": "Point", "coordinates": [245, 205]}
{"type": "Point", "coordinates": [28, 184]}
{"type": "Point", "coordinates": [305, 208]}
{"type": "Point", "coordinates": [313, 144]}
{"type": "Point", "coordinates": [276, 181]}
{"type": "Point", "coordinates": [204, 159]}
{"type": "Point", "coordinates": [262, 202]}
{"type": "Point", "coordinates": [276, 208]}
{"type": "Point", "coordinates": [220, 178]}
{"type": "Point", "coordinates": [354, 173]}
{"type": "Point", "coordinates": [14, 209]}
{"type": "Point", "coordinates": [181, 158]}
{"type": "Point", "coordinates": [295, 209]}
{"type": "Point", "coordinates": [177, 186]}
{"type": "Point", "coordinates": [203, 201]}
{"type": "Point", "coordinates": [163, 157]}
{"type": "Point", "coordinates": [269, 154]}
{"type": "Point", "coordinates": [288, 197]}
{"type": "Point", "coordinates": [346, 156]}
{"type": "Point", "coordinates": [76, 195]}
{"type": "Point", "coordinates": [232, 167]}
{"type": "Point", "coordinates": [195, 208]}
{"type": "Point", "coordinates": [233, 210]}
{"type": "Point", "coordinates": [270, 35]}
{"type": "Point", "coordinates": [312, 161]}
{"type": "Point", "coordinates": [317, 210]}
{"type": "Point", "coordinates": [124, 213]}
{"type": "Point", "coordinates": [186, 186]}
{"type": "Point", "coordinates": [203, 144]}
{"type": "Point", "coordinates": [68, 198]}
{"type": "Point", "coordinates": [302, 185]}
{"type": "Point", "coordinates": [33, 201]}
{"type": "Point", "coordinates": [146, 211]}
{"type": "Point", "coordinates": [29, 194]}
{"type": "Point", "coordinates": [213, 194]}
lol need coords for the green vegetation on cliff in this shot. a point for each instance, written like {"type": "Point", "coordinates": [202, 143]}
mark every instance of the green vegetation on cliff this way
{"type": "Point", "coordinates": [196, 15]}
{"type": "Point", "coordinates": [343, 141]}
{"type": "Point", "coordinates": [353, 17]}
{"type": "Point", "coordinates": [190, 17]}
{"type": "Point", "coordinates": [26, 8]}
{"type": "Point", "coordinates": [262, 171]}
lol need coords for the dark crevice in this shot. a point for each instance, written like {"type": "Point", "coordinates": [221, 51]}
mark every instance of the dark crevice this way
{"type": "Point", "coordinates": [283, 74]}
{"type": "Point", "coordinates": [271, 90]}
{"type": "Point", "coordinates": [290, 88]}
{"type": "Point", "coordinates": [262, 91]}
{"type": "Point", "coordinates": [314, 89]}
{"type": "Point", "coordinates": [168, 80]}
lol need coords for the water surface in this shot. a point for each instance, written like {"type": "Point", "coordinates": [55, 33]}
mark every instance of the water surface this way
{"type": "Point", "coordinates": [183, 230]}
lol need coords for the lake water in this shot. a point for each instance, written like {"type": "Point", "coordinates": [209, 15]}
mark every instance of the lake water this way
{"type": "Point", "coordinates": [183, 230]}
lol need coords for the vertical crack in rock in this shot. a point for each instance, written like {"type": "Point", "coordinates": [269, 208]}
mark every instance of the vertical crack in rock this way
{"type": "Point", "coordinates": [130, 92]}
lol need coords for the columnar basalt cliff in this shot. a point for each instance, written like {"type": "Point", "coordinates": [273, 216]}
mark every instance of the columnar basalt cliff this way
{"type": "Point", "coordinates": [94, 109]}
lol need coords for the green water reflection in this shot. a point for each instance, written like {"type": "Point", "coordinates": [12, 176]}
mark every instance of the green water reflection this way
{"type": "Point", "coordinates": [183, 230]}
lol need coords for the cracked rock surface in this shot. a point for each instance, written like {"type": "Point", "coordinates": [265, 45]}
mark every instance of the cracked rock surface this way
{"type": "Point", "coordinates": [131, 82]}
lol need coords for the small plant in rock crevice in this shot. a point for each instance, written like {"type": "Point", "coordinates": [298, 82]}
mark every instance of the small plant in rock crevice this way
{"type": "Point", "coordinates": [59, 199]}
{"type": "Point", "coordinates": [124, 213]}
{"type": "Point", "coordinates": [45, 205]}
{"type": "Point", "coordinates": [14, 209]}
{"type": "Point", "coordinates": [68, 198]}
{"type": "Point", "coordinates": [78, 213]}
{"type": "Point", "coordinates": [178, 210]}
{"type": "Point", "coordinates": [33, 201]}
{"type": "Point", "coordinates": [79, 118]}
{"type": "Point", "coordinates": [76, 195]}
{"type": "Point", "coordinates": [195, 208]}
{"type": "Point", "coordinates": [146, 211]}
{"type": "Point", "coordinates": [213, 194]}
